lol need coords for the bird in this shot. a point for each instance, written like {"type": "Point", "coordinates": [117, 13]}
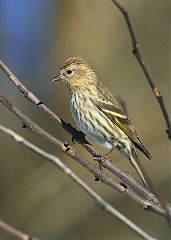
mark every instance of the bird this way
{"type": "Point", "coordinates": [98, 114]}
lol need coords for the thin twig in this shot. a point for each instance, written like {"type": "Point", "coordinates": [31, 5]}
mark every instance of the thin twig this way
{"type": "Point", "coordinates": [98, 199]}
{"type": "Point", "coordinates": [138, 56]}
{"type": "Point", "coordinates": [147, 204]}
{"type": "Point", "coordinates": [15, 232]}
{"type": "Point", "coordinates": [78, 136]}
{"type": "Point", "coordinates": [155, 89]}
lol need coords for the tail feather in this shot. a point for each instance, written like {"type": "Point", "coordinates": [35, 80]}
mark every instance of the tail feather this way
{"type": "Point", "coordinates": [134, 162]}
{"type": "Point", "coordinates": [129, 151]}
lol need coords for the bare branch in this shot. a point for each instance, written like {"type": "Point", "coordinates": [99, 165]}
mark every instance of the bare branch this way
{"type": "Point", "coordinates": [138, 56]}
{"type": "Point", "coordinates": [15, 232]}
{"type": "Point", "coordinates": [78, 136]}
{"type": "Point", "coordinates": [147, 204]}
{"type": "Point", "coordinates": [156, 91]}
{"type": "Point", "coordinates": [58, 163]}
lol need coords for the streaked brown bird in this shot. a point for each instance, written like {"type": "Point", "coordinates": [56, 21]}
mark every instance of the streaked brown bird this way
{"type": "Point", "coordinates": [98, 114]}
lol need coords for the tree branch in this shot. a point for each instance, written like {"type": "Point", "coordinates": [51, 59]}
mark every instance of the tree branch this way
{"type": "Point", "coordinates": [15, 232]}
{"type": "Point", "coordinates": [147, 204]}
{"type": "Point", "coordinates": [155, 89]}
{"type": "Point", "coordinates": [138, 56]}
{"type": "Point", "coordinates": [58, 163]}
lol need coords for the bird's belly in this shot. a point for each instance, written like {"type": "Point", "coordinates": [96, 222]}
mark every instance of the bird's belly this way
{"type": "Point", "coordinates": [95, 125]}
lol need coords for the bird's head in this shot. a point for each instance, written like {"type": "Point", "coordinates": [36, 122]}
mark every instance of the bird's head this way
{"type": "Point", "coordinates": [76, 73]}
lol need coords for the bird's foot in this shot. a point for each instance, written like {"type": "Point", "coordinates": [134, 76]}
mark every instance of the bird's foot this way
{"type": "Point", "coordinates": [101, 159]}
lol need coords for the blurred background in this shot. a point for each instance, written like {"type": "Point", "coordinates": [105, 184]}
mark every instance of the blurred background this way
{"type": "Point", "coordinates": [35, 38]}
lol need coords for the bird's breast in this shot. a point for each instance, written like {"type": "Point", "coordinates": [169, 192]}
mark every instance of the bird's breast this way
{"type": "Point", "coordinates": [91, 120]}
{"type": "Point", "coordinates": [80, 107]}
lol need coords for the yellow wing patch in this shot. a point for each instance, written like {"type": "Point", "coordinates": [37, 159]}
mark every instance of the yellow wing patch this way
{"type": "Point", "coordinates": [117, 116]}
{"type": "Point", "coordinates": [119, 119]}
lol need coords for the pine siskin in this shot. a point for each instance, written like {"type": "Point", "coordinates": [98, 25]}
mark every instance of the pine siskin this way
{"type": "Point", "coordinates": [98, 114]}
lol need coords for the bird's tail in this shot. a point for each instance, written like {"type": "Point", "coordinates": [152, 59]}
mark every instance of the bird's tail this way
{"type": "Point", "coordinates": [134, 161]}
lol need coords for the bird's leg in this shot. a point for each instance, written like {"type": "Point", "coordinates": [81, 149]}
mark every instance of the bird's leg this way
{"type": "Point", "coordinates": [102, 158]}
{"type": "Point", "coordinates": [111, 150]}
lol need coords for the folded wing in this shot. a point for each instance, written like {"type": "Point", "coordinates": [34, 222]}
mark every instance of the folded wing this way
{"type": "Point", "coordinates": [113, 110]}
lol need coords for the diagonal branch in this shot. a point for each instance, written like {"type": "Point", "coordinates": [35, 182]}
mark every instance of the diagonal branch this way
{"type": "Point", "coordinates": [147, 204]}
{"type": "Point", "coordinates": [156, 92]}
{"type": "Point", "coordinates": [15, 232]}
{"type": "Point", "coordinates": [138, 56]}
{"type": "Point", "coordinates": [58, 163]}
{"type": "Point", "coordinates": [78, 136]}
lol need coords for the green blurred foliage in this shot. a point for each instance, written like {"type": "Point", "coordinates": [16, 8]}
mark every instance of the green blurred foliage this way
{"type": "Point", "coordinates": [34, 195]}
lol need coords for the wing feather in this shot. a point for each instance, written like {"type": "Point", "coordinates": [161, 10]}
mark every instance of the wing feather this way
{"type": "Point", "coordinates": [113, 110]}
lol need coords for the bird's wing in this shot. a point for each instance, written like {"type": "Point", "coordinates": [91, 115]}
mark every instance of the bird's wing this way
{"type": "Point", "coordinates": [113, 110]}
{"type": "Point", "coordinates": [117, 116]}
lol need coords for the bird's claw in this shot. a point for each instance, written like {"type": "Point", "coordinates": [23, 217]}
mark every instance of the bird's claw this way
{"type": "Point", "coordinates": [101, 159]}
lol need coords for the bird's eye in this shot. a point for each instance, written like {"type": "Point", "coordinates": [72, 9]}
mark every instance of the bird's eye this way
{"type": "Point", "coordinates": [69, 71]}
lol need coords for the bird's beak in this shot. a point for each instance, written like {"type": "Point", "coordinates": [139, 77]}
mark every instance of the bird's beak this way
{"type": "Point", "coordinates": [57, 78]}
